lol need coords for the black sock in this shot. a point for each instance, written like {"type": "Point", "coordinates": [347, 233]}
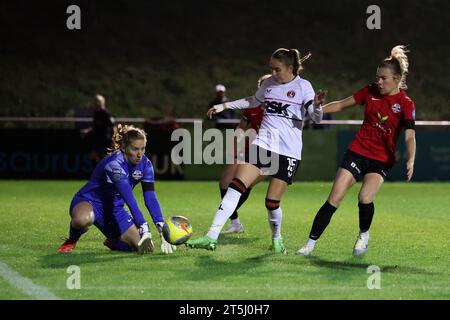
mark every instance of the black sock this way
{"type": "Point", "coordinates": [366, 212]}
{"type": "Point", "coordinates": [321, 220]}
{"type": "Point", "coordinates": [222, 192]}
{"type": "Point", "coordinates": [243, 198]}
{"type": "Point", "coordinates": [75, 234]}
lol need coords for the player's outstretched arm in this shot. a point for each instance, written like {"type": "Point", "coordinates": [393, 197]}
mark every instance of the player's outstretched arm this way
{"type": "Point", "coordinates": [245, 103]}
{"type": "Point", "coordinates": [126, 192]}
{"type": "Point", "coordinates": [337, 106]}
{"type": "Point", "coordinates": [153, 207]}
{"type": "Point", "coordinates": [315, 110]}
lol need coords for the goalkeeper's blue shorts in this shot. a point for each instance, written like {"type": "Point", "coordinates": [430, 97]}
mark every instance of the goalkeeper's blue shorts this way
{"type": "Point", "coordinates": [111, 221]}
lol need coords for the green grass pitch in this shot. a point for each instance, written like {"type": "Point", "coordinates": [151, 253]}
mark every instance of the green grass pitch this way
{"type": "Point", "coordinates": [410, 243]}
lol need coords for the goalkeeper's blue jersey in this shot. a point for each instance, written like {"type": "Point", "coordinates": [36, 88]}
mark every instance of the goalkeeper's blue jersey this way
{"type": "Point", "coordinates": [100, 188]}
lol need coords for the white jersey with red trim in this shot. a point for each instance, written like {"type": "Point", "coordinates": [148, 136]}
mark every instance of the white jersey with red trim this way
{"type": "Point", "coordinates": [285, 106]}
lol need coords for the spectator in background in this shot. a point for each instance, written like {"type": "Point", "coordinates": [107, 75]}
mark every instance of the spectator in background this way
{"type": "Point", "coordinates": [227, 114]}
{"type": "Point", "coordinates": [101, 131]}
{"type": "Point", "coordinates": [83, 112]}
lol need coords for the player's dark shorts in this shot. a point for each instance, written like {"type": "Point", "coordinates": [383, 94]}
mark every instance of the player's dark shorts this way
{"type": "Point", "coordinates": [111, 221]}
{"type": "Point", "coordinates": [271, 163]}
{"type": "Point", "coordinates": [359, 165]}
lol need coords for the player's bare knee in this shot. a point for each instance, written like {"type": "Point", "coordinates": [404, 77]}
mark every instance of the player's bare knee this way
{"type": "Point", "coordinates": [365, 198]}
{"type": "Point", "coordinates": [335, 200]}
{"type": "Point", "coordinates": [83, 220]}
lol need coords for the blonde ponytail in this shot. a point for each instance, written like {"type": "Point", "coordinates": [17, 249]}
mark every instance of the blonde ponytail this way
{"type": "Point", "coordinates": [398, 63]}
{"type": "Point", "coordinates": [399, 53]}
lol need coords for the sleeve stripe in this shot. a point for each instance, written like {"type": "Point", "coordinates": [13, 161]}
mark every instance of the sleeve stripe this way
{"type": "Point", "coordinates": [308, 104]}
{"type": "Point", "coordinates": [148, 186]}
{"type": "Point", "coordinates": [258, 99]}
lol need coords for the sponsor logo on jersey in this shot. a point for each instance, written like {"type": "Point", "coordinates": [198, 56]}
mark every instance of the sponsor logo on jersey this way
{"type": "Point", "coordinates": [396, 108]}
{"type": "Point", "coordinates": [382, 124]}
{"type": "Point", "coordinates": [276, 107]}
{"type": "Point", "coordinates": [137, 175]}
{"type": "Point", "coordinates": [382, 118]}
{"type": "Point", "coordinates": [291, 94]}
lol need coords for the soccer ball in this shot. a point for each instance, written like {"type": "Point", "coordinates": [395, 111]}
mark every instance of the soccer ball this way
{"type": "Point", "coordinates": [177, 230]}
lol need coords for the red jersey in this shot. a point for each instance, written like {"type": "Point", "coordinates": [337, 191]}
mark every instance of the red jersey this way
{"type": "Point", "coordinates": [384, 118]}
{"type": "Point", "coordinates": [254, 117]}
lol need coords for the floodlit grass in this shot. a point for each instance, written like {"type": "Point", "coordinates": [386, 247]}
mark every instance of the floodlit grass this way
{"type": "Point", "coordinates": [409, 243]}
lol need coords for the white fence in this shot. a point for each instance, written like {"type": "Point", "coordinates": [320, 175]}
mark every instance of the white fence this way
{"type": "Point", "coordinates": [184, 120]}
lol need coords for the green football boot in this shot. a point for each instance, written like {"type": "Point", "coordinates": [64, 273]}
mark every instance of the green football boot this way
{"type": "Point", "coordinates": [278, 246]}
{"type": "Point", "coordinates": [204, 242]}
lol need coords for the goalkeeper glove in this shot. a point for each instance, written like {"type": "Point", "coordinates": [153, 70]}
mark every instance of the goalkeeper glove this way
{"type": "Point", "coordinates": [143, 229]}
{"type": "Point", "coordinates": [146, 243]}
{"type": "Point", "coordinates": [165, 246]}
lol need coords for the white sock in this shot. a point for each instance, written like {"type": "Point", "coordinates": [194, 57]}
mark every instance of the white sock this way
{"type": "Point", "coordinates": [226, 209]}
{"type": "Point", "coordinates": [235, 222]}
{"type": "Point", "coordinates": [311, 242]}
{"type": "Point", "coordinates": [274, 218]}
{"type": "Point", "coordinates": [365, 234]}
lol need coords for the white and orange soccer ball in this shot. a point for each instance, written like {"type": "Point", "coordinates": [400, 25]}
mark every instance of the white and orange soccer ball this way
{"type": "Point", "coordinates": [177, 230]}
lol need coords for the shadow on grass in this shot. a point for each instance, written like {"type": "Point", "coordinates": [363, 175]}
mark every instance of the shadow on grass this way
{"type": "Point", "coordinates": [89, 256]}
{"type": "Point", "coordinates": [211, 264]}
{"type": "Point", "coordinates": [236, 239]}
{"type": "Point", "coordinates": [79, 258]}
{"type": "Point", "coordinates": [359, 263]}
{"type": "Point", "coordinates": [209, 267]}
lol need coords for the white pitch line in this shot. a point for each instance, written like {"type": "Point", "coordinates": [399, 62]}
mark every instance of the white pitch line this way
{"type": "Point", "coordinates": [24, 284]}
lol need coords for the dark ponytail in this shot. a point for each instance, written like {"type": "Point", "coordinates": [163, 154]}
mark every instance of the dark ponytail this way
{"type": "Point", "coordinates": [292, 58]}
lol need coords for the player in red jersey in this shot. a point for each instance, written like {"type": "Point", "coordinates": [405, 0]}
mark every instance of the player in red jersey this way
{"type": "Point", "coordinates": [388, 110]}
{"type": "Point", "coordinates": [250, 120]}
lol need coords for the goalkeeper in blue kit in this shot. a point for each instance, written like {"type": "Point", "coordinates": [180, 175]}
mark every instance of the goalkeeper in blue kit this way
{"type": "Point", "coordinates": [101, 201]}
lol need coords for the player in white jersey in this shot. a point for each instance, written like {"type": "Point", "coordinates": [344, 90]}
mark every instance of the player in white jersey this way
{"type": "Point", "coordinates": [276, 151]}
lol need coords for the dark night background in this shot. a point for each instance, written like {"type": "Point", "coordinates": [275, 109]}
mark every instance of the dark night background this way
{"type": "Point", "coordinates": [150, 58]}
